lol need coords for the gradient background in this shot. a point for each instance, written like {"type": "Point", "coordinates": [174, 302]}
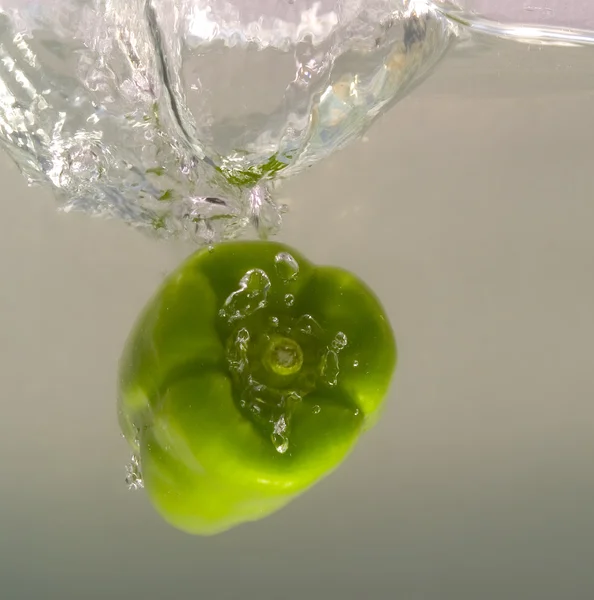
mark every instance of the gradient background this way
{"type": "Point", "coordinates": [470, 210]}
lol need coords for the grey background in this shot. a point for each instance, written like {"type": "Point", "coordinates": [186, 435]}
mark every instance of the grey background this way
{"type": "Point", "coordinates": [469, 209]}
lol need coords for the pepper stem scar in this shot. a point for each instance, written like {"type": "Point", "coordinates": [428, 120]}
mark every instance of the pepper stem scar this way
{"type": "Point", "coordinates": [283, 356]}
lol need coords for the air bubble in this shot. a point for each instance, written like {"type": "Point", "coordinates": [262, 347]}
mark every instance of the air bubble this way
{"type": "Point", "coordinates": [316, 409]}
{"type": "Point", "coordinates": [243, 336]}
{"type": "Point", "coordinates": [287, 267]}
{"type": "Point", "coordinates": [355, 363]}
{"type": "Point", "coordinates": [281, 443]}
{"type": "Point", "coordinates": [250, 297]}
{"type": "Point", "coordinates": [330, 368]}
{"type": "Point", "coordinates": [308, 325]}
{"type": "Point", "coordinates": [291, 399]}
{"type": "Point", "coordinates": [237, 352]}
{"type": "Point", "coordinates": [339, 341]}
{"type": "Point", "coordinates": [289, 299]}
{"type": "Point", "coordinates": [279, 438]}
{"type": "Point", "coordinates": [134, 479]}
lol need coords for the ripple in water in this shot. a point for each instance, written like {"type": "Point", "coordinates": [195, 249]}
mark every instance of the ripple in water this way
{"type": "Point", "coordinates": [179, 116]}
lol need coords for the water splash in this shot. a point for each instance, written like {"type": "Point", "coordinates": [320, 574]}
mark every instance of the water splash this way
{"type": "Point", "coordinates": [123, 106]}
{"type": "Point", "coordinates": [287, 267]}
{"type": "Point", "coordinates": [250, 297]}
{"type": "Point", "coordinates": [180, 116]}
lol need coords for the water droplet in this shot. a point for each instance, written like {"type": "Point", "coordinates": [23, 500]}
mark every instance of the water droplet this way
{"type": "Point", "coordinates": [308, 325]}
{"type": "Point", "coordinates": [255, 282]}
{"type": "Point", "coordinates": [256, 386]}
{"type": "Point", "coordinates": [250, 297]}
{"type": "Point", "coordinates": [316, 409]}
{"type": "Point", "coordinates": [281, 443]}
{"type": "Point", "coordinates": [210, 248]}
{"type": "Point", "coordinates": [290, 400]}
{"type": "Point", "coordinates": [279, 438]}
{"type": "Point", "coordinates": [339, 341]}
{"type": "Point", "coordinates": [243, 336]}
{"type": "Point", "coordinates": [330, 369]}
{"type": "Point", "coordinates": [237, 354]}
{"type": "Point", "coordinates": [134, 479]}
{"type": "Point", "coordinates": [287, 267]}
{"type": "Point", "coordinates": [289, 299]}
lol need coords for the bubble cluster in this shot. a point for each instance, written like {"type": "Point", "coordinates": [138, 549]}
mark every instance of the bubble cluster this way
{"type": "Point", "coordinates": [134, 479]}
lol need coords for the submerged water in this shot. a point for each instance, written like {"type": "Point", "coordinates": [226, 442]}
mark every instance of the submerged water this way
{"type": "Point", "coordinates": [469, 211]}
{"type": "Point", "coordinates": [180, 117]}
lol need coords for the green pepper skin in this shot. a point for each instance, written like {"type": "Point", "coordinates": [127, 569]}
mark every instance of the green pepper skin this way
{"type": "Point", "coordinates": [249, 377]}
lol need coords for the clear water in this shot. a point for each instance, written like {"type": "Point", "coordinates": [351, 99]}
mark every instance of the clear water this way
{"type": "Point", "coordinates": [181, 117]}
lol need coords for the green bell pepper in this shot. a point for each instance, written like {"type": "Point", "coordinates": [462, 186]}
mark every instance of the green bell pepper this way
{"type": "Point", "coordinates": [247, 378]}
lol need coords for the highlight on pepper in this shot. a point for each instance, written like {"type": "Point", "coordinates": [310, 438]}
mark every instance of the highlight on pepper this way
{"type": "Point", "coordinates": [249, 377]}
